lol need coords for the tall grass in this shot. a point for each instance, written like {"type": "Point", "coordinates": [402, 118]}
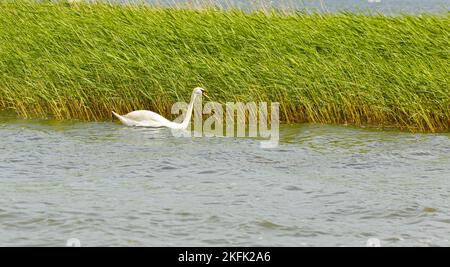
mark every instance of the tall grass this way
{"type": "Point", "coordinates": [83, 60]}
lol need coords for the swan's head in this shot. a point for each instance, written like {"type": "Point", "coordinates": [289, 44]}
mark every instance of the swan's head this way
{"type": "Point", "coordinates": [200, 91]}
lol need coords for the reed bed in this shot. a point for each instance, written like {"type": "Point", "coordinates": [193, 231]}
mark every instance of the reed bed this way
{"type": "Point", "coordinates": [81, 61]}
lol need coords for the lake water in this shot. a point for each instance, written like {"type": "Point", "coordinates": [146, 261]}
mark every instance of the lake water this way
{"type": "Point", "coordinates": [110, 185]}
{"type": "Point", "coordinates": [384, 6]}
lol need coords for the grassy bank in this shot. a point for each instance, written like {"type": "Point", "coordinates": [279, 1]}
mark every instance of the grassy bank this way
{"type": "Point", "coordinates": [82, 61]}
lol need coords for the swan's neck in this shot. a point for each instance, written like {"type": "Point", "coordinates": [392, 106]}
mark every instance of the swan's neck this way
{"type": "Point", "coordinates": [188, 117]}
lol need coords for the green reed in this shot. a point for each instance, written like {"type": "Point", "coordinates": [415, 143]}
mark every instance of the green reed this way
{"type": "Point", "coordinates": [80, 61]}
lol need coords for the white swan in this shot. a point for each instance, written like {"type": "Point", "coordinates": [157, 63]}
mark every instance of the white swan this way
{"type": "Point", "coordinates": [148, 118]}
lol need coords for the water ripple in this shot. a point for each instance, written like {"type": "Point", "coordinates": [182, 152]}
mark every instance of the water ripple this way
{"type": "Point", "coordinates": [106, 184]}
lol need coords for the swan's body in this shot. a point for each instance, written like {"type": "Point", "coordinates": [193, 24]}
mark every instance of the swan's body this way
{"type": "Point", "coordinates": [146, 118]}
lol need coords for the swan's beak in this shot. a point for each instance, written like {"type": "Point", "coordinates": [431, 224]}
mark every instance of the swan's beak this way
{"type": "Point", "coordinates": [205, 94]}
